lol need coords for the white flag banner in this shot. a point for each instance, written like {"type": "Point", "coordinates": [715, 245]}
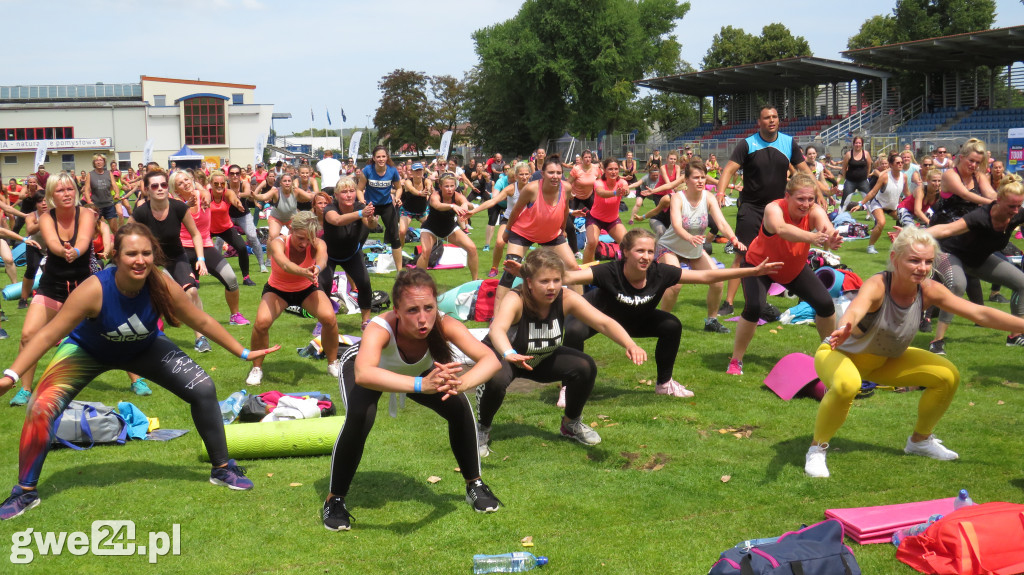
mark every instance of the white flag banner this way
{"type": "Point", "coordinates": [41, 153]}
{"type": "Point", "coordinates": [353, 145]}
{"type": "Point", "coordinates": [446, 144]}
{"type": "Point", "coordinates": [261, 144]}
{"type": "Point", "coordinates": [147, 152]}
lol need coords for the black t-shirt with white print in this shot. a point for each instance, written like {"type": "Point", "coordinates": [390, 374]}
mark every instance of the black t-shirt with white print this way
{"type": "Point", "coordinates": [618, 299]}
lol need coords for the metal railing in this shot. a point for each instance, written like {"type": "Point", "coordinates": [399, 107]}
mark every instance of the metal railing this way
{"type": "Point", "coordinates": [853, 124]}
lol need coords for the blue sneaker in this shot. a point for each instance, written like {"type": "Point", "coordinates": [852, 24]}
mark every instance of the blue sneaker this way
{"type": "Point", "coordinates": [203, 344]}
{"type": "Point", "coordinates": [4, 334]}
{"type": "Point", "coordinates": [231, 476]}
{"type": "Point", "coordinates": [20, 501]}
{"type": "Point", "coordinates": [140, 388]}
{"type": "Point", "coordinates": [21, 398]}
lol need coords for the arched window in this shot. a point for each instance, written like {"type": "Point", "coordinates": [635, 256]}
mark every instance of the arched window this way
{"type": "Point", "coordinates": [204, 120]}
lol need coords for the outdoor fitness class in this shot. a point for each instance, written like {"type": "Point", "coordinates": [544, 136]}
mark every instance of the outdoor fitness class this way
{"type": "Point", "coordinates": [321, 321]}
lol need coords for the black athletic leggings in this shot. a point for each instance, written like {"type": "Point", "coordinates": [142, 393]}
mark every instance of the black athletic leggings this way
{"type": "Point", "coordinates": [575, 369]}
{"type": "Point", "coordinates": [234, 239]}
{"type": "Point", "coordinates": [216, 265]}
{"type": "Point", "coordinates": [806, 286]}
{"type": "Point", "coordinates": [355, 270]}
{"type": "Point", "coordinates": [659, 324]}
{"type": "Point", "coordinates": [72, 368]}
{"type": "Point", "coordinates": [361, 411]}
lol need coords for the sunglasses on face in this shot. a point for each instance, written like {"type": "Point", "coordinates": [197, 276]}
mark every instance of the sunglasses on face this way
{"type": "Point", "coordinates": [160, 186]}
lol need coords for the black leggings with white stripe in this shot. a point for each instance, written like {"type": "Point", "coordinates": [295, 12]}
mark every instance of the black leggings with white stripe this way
{"type": "Point", "coordinates": [361, 411]}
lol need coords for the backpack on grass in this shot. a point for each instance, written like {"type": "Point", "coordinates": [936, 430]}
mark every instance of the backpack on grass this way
{"type": "Point", "coordinates": [814, 550]}
{"type": "Point", "coordinates": [88, 423]}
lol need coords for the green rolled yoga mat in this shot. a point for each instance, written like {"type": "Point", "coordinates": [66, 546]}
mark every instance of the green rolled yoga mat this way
{"type": "Point", "coordinates": [280, 438]}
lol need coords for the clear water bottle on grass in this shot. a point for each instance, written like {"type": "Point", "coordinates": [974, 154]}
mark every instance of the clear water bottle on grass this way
{"type": "Point", "coordinates": [962, 500]}
{"type": "Point", "coordinates": [516, 562]}
{"type": "Point", "coordinates": [232, 406]}
{"type": "Point", "coordinates": [918, 529]}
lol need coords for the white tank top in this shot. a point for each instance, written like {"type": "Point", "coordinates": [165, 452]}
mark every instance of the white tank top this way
{"type": "Point", "coordinates": [695, 222]}
{"type": "Point", "coordinates": [511, 202]}
{"type": "Point", "coordinates": [889, 196]}
{"type": "Point", "coordinates": [391, 358]}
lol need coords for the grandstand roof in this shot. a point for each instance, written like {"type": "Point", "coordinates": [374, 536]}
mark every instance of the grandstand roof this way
{"type": "Point", "coordinates": [996, 47]}
{"type": "Point", "coordinates": [796, 72]}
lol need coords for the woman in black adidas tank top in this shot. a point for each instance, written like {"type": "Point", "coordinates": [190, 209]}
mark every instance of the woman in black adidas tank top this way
{"type": "Point", "coordinates": [855, 168]}
{"type": "Point", "coordinates": [531, 318]}
{"type": "Point", "coordinates": [67, 232]}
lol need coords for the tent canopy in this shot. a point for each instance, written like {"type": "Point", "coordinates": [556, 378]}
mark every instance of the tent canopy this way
{"type": "Point", "coordinates": [185, 154]}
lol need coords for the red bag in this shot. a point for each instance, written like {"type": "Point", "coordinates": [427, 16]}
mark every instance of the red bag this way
{"type": "Point", "coordinates": [976, 540]}
{"type": "Point", "coordinates": [608, 251]}
{"type": "Point", "coordinates": [483, 309]}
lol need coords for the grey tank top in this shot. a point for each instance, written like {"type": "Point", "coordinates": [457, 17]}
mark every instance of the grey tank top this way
{"type": "Point", "coordinates": [100, 185]}
{"type": "Point", "coordinates": [889, 330]}
{"type": "Point", "coordinates": [285, 208]}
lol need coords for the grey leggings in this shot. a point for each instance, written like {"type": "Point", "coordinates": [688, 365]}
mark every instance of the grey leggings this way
{"type": "Point", "coordinates": [994, 269]}
{"type": "Point", "coordinates": [249, 229]}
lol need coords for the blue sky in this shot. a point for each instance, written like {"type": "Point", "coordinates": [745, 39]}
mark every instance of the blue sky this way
{"type": "Point", "coordinates": [331, 54]}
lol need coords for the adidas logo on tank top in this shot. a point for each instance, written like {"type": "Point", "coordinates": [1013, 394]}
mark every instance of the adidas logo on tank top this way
{"type": "Point", "coordinates": [131, 330]}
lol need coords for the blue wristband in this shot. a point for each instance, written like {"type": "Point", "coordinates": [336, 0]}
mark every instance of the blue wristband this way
{"type": "Point", "coordinates": [509, 352]}
{"type": "Point", "coordinates": [200, 259]}
{"type": "Point", "coordinates": [245, 353]}
{"type": "Point", "coordinates": [78, 252]}
{"type": "Point", "coordinates": [360, 213]}
{"type": "Point", "coordinates": [417, 384]}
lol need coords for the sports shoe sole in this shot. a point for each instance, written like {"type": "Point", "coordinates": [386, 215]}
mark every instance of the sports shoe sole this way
{"type": "Point", "coordinates": [337, 529]}
{"type": "Point", "coordinates": [32, 505]}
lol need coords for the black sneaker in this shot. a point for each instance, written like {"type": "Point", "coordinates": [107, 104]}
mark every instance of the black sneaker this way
{"type": "Point", "coordinates": [729, 248]}
{"type": "Point", "coordinates": [247, 282]}
{"type": "Point", "coordinates": [926, 326]}
{"type": "Point", "coordinates": [714, 326]}
{"type": "Point", "coordinates": [725, 309]}
{"type": "Point", "coordinates": [480, 497]}
{"type": "Point", "coordinates": [998, 298]}
{"type": "Point", "coordinates": [1012, 340]}
{"type": "Point", "coordinates": [770, 313]}
{"type": "Point", "coordinates": [938, 347]}
{"type": "Point", "coordinates": [231, 476]}
{"type": "Point", "coordinates": [336, 515]}
{"type": "Point", "coordinates": [3, 316]}
{"type": "Point", "coordinates": [23, 303]}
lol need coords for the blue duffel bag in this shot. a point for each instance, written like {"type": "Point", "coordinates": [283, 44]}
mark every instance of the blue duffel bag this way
{"type": "Point", "coordinates": [814, 550]}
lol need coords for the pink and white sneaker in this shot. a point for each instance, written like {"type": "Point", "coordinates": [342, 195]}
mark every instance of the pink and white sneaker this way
{"type": "Point", "coordinates": [238, 319]}
{"type": "Point", "coordinates": [735, 367]}
{"type": "Point", "coordinates": [673, 388]}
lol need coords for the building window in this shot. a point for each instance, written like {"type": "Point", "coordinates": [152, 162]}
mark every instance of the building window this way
{"type": "Point", "coordinates": [51, 133]}
{"type": "Point", "coordinates": [160, 100]}
{"type": "Point", "coordinates": [10, 159]}
{"type": "Point", "coordinates": [67, 162]}
{"type": "Point", "coordinates": [237, 98]}
{"type": "Point", "coordinates": [124, 160]}
{"type": "Point", "coordinates": [204, 121]}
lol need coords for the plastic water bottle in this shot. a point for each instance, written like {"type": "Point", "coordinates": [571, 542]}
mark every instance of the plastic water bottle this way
{"type": "Point", "coordinates": [516, 562]}
{"type": "Point", "coordinates": [962, 500]}
{"type": "Point", "coordinates": [900, 535]}
{"type": "Point", "coordinates": [230, 407]}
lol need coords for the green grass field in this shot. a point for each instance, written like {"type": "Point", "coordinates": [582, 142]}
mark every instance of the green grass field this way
{"type": "Point", "coordinates": [670, 486]}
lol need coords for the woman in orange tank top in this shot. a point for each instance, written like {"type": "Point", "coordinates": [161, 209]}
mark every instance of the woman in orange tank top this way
{"type": "Point", "coordinates": [539, 217]}
{"type": "Point", "coordinates": [295, 262]}
{"type": "Point", "coordinates": [790, 226]}
{"type": "Point", "coordinates": [221, 226]}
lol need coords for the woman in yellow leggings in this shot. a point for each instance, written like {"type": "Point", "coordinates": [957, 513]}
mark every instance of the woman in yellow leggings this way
{"type": "Point", "coordinates": [873, 342]}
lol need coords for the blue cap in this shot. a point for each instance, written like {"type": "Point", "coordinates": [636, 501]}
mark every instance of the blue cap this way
{"type": "Point", "coordinates": [417, 166]}
{"type": "Point", "coordinates": [542, 561]}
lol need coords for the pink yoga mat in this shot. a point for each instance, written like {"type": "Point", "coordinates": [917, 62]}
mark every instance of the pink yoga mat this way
{"type": "Point", "coordinates": [877, 524]}
{"type": "Point", "coordinates": [793, 373]}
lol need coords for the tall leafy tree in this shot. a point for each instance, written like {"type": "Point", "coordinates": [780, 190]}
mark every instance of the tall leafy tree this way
{"type": "Point", "coordinates": [448, 106]}
{"type": "Point", "coordinates": [734, 47]}
{"type": "Point", "coordinates": [919, 19]}
{"type": "Point", "coordinates": [403, 114]}
{"type": "Point", "coordinates": [567, 65]}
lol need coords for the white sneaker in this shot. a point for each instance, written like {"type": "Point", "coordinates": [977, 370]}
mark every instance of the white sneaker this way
{"type": "Point", "coordinates": [334, 368]}
{"type": "Point", "coordinates": [814, 463]}
{"type": "Point", "coordinates": [255, 376]}
{"type": "Point", "coordinates": [483, 439]}
{"type": "Point", "coordinates": [263, 269]}
{"type": "Point", "coordinates": [930, 447]}
{"type": "Point", "coordinates": [872, 250]}
{"type": "Point", "coordinates": [576, 429]}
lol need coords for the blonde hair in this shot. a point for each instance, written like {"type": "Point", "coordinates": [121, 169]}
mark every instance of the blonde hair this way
{"type": "Point", "coordinates": [306, 221]}
{"type": "Point", "coordinates": [972, 146]}
{"type": "Point", "coordinates": [345, 183]}
{"type": "Point", "coordinates": [1010, 185]}
{"type": "Point", "coordinates": [800, 181]}
{"type": "Point", "coordinates": [911, 236]}
{"type": "Point", "coordinates": [52, 183]}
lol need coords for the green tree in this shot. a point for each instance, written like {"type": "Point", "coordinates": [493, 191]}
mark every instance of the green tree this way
{"type": "Point", "coordinates": [877, 30]}
{"type": "Point", "coordinates": [448, 106]}
{"type": "Point", "coordinates": [920, 19]}
{"type": "Point", "coordinates": [567, 65]}
{"type": "Point", "coordinates": [734, 47]}
{"type": "Point", "coordinates": [403, 114]}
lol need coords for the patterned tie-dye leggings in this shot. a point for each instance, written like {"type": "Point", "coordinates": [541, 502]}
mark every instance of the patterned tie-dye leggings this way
{"type": "Point", "coordinates": [72, 368]}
